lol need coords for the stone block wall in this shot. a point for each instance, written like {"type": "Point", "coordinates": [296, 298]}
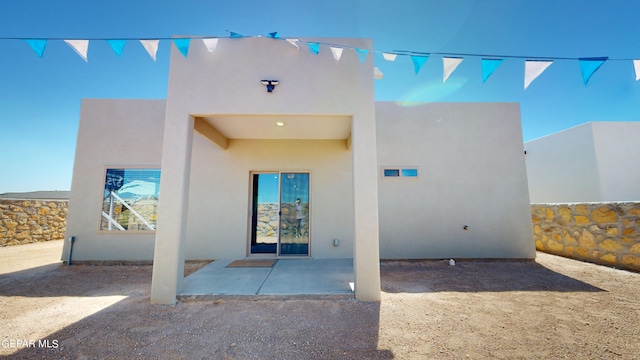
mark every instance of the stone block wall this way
{"type": "Point", "coordinates": [28, 221]}
{"type": "Point", "coordinates": [602, 233]}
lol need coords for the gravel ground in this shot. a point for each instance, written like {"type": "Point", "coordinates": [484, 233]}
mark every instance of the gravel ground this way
{"type": "Point", "coordinates": [551, 308]}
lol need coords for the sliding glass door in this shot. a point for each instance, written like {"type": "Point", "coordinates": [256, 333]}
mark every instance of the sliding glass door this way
{"type": "Point", "coordinates": [280, 214]}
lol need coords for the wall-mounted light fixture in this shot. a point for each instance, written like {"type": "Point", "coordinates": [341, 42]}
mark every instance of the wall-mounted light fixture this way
{"type": "Point", "coordinates": [271, 84]}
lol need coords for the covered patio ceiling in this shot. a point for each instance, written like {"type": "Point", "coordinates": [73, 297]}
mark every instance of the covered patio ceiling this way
{"type": "Point", "coordinates": [221, 128]}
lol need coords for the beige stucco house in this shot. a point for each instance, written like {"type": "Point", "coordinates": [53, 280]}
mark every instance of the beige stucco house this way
{"type": "Point", "coordinates": [315, 168]}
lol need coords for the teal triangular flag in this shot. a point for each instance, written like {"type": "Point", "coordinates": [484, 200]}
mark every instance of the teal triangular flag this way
{"type": "Point", "coordinates": [362, 54]}
{"type": "Point", "coordinates": [274, 35]}
{"type": "Point", "coordinates": [183, 45]}
{"type": "Point", "coordinates": [314, 48]}
{"type": "Point", "coordinates": [37, 45]}
{"type": "Point", "coordinates": [588, 66]}
{"type": "Point", "coordinates": [418, 61]}
{"type": "Point", "coordinates": [489, 66]}
{"type": "Point", "coordinates": [117, 45]}
{"type": "Point", "coordinates": [234, 35]}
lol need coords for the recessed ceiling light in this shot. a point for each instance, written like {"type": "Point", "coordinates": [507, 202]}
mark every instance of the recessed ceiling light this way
{"type": "Point", "coordinates": [280, 123]}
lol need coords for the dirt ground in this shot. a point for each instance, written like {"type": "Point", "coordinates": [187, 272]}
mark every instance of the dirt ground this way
{"type": "Point", "coordinates": [548, 309]}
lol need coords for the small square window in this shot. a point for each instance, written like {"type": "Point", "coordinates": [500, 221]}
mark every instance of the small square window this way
{"type": "Point", "coordinates": [410, 172]}
{"type": "Point", "coordinates": [391, 172]}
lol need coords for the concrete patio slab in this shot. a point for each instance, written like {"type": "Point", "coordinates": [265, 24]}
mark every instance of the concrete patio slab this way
{"type": "Point", "coordinates": [310, 276]}
{"type": "Point", "coordinates": [288, 278]}
{"type": "Point", "coordinates": [217, 279]}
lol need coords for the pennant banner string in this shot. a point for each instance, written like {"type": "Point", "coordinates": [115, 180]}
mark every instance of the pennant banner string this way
{"type": "Point", "coordinates": [151, 46]}
{"type": "Point", "coordinates": [183, 45]}
{"type": "Point", "coordinates": [389, 57]}
{"type": "Point", "coordinates": [362, 54]}
{"type": "Point", "coordinates": [337, 52]}
{"type": "Point", "coordinates": [488, 67]}
{"type": "Point", "coordinates": [37, 45]}
{"type": "Point", "coordinates": [117, 45]}
{"type": "Point", "coordinates": [211, 44]}
{"type": "Point", "coordinates": [314, 47]}
{"type": "Point", "coordinates": [81, 47]}
{"type": "Point", "coordinates": [534, 65]}
{"type": "Point", "coordinates": [533, 69]}
{"type": "Point", "coordinates": [276, 36]}
{"type": "Point", "coordinates": [449, 65]}
{"type": "Point", "coordinates": [588, 67]}
{"type": "Point", "coordinates": [418, 61]}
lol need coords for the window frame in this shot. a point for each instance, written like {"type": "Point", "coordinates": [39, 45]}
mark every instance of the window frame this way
{"type": "Point", "coordinates": [400, 171]}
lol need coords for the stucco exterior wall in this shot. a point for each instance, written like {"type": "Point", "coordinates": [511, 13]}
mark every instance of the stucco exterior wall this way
{"type": "Point", "coordinates": [617, 150]}
{"type": "Point", "coordinates": [591, 162]}
{"type": "Point", "coordinates": [228, 81]}
{"type": "Point", "coordinates": [469, 156]}
{"type": "Point", "coordinates": [111, 133]}
{"type": "Point", "coordinates": [562, 167]}
{"type": "Point", "coordinates": [220, 194]}
{"type": "Point", "coordinates": [462, 151]}
{"type": "Point", "coordinates": [471, 168]}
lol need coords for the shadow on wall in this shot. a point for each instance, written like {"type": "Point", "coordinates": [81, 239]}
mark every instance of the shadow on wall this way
{"type": "Point", "coordinates": [475, 276]}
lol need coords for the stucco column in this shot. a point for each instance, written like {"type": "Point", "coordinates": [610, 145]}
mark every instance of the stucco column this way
{"type": "Point", "coordinates": [168, 258]}
{"type": "Point", "coordinates": [366, 254]}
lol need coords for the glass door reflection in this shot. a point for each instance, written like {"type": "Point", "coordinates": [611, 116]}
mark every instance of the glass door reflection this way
{"type": "Point", "coordinates": [265, 218]}
{"type": "Point", "coordinates": [294, 214]}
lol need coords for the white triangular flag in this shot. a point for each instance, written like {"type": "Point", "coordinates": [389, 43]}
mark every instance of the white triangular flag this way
{"type": "Point", "coordinates": [636, 66]}
{"type": "Point", "coordinates": [211, 44]}
{"type": "Point", "coordinates": [293, 42]}
{"type": "Point", "coordinates": [377, 74]}
{"type": "Point", "coordinates": [336, 51]}
{"type": "Point", "coordinates": [81, 47]}
{"type": "Point", "coordinates": [151, 46]}
{"type": "Point", "coordinates": [389, 56]}
{"type": "Point", "coordinates": [449, 65]}
{"type": "Point", "coordinates": [533, 69]}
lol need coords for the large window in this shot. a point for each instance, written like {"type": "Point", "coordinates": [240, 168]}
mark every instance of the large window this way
{"type": "Point", "coordinates": [130, 199]}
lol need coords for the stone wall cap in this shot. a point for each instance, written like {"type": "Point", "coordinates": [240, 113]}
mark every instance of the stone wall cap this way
{"type": "Point", "coordinates": [36, 195]}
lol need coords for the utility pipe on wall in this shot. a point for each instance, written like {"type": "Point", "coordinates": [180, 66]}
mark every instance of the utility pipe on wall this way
{"type": "Point", "coordinates": [72, 239]}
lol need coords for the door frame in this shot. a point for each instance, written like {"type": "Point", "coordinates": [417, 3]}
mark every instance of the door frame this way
{"type": "Point", "coordinates": [275, 255]}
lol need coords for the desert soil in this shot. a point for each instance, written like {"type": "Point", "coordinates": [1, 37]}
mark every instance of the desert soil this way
{"type": "Point", "coordinates": [547, 309]}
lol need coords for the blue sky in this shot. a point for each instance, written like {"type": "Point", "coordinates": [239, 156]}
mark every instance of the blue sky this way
{"type": "Point", "coordinates": [40, 98]}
